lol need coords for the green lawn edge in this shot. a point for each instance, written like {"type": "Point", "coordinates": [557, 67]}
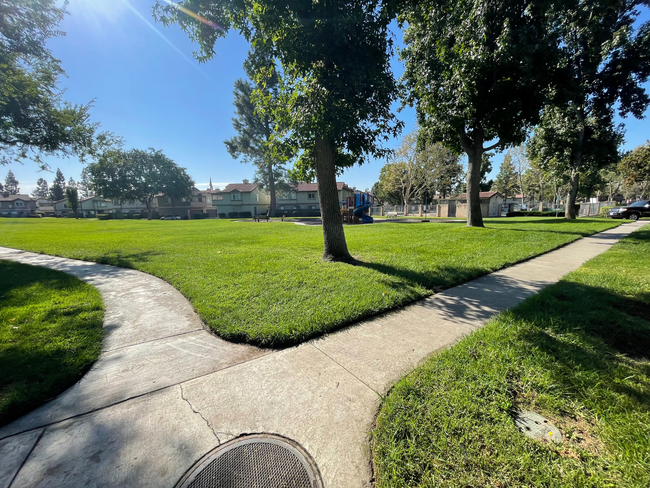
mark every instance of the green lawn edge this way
{"type": "Point", "coordinates": [577, 353]}
{"type": "Point", "coordinates": [50, 335]}
{"type": "Point", "coordinates": [265, 284]}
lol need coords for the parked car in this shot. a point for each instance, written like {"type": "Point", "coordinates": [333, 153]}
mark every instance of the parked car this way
{"type": "Point", "coordinates": [633, 211]}
{"type": "Point", "coordinates": [170, 217]}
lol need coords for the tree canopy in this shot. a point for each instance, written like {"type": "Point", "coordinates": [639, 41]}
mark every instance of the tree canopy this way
{"type": "Point", "coordinates": [257, 139]}
{"type": "Point", "coordinates": [602, 63]}
{"type": "Point", "coordinates": [476, 72]}
{"type": "Point", "coordinates": [336, 87]}
{"type": "Point", "coordinates": [34, 118]}
{"type": "Point", "coordinates": [72, 198]}
{"type": "Point", "coordinates": [57, 190]}
{"type": "Point", "coordinates": [42, 190]}
{"type": "Point", "coordinates": [507, 183]}
{"type": "Point", "coordinates": [635, 166]}
{"type": "Point", "coordinates": [11, 184]}
{"type": "Point", "coordinates": [138, 175]}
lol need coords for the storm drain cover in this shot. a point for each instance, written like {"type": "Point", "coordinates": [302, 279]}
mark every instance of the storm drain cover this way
{"type": "Point", "coordinates": [260, 461]}
{"type": "Point", "coordinates": [534, 425]}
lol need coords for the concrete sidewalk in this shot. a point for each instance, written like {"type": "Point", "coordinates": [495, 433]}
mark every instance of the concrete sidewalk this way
{"type": "Point", "coordinates": [165, 391]}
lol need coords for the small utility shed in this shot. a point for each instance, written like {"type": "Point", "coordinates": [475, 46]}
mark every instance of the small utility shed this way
{"type": "Point", "coordinates": [491, 204]}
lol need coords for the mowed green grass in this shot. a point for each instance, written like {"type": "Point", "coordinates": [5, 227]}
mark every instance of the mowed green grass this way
{"type": "Point", "coordinates": [50, 334]}
{"type": "Point", "coordinates": [265, 283]}
{"type": "Point", "coordinates": [577, 353]}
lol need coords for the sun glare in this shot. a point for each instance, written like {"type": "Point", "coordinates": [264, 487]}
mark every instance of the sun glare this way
{"type": "Point", "coordinates": [97, 11]}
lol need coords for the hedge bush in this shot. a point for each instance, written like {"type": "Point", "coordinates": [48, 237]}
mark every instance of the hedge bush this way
{"type": "Point", "coordinates": [546, 213]}
{"type": "Point", "coordinates": [103, 216]}
{"type": "Point", "coordinates": [233, 215]}
{"type": "Point", "coordinates": [223, 216]}
{"type": "Point", "coordinates": [200, 216]}
{"type": "Point", "coordinates": [604, 210]}
{"type": "Point", "coordinates": [245, 215]}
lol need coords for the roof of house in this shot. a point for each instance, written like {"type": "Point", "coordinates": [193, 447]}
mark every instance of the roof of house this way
{"type": "Point", "coordinates": [241, 187]}
{"type": "Point", "coordinates": [4, 197]}
{"type": "Point", "coordinates": [483, 194]}
{"type": "Point", "coordinates": [314, 186]}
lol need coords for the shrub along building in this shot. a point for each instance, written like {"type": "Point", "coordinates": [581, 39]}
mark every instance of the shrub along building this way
{"type": "Point", "coordinates": [491, 204]}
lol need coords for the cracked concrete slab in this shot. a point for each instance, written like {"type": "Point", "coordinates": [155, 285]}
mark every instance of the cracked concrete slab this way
{"type": "Point", "coordinates": [298, 393]}
{"type": "Point", "coordinates": [133, 371]}
{"type": "Point", "coordinates": [13, 453]}
{"type": "Point", "coordinates": [146, 442]}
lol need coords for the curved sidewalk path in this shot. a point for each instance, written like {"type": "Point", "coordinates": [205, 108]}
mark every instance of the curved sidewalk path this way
{"type": "Point", "coordinates": [165, 391]}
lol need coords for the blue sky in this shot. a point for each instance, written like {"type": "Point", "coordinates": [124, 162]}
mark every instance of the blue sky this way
{"type": "Point", "coordinates": [149, 90]}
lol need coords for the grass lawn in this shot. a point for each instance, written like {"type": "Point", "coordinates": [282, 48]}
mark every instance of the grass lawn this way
{"type": "Point", "coordinates": [577, 353]}
{"type": "Point", "coordinates": [265, 282]}
{"type": "Point", "coordinates": [50, 334]}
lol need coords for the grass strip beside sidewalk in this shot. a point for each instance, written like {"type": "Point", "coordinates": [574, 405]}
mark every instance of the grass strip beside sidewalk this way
{"type": "Point", "coordinates": [50, 335]}
{"type": "Point", "coordinates": [577, 353]}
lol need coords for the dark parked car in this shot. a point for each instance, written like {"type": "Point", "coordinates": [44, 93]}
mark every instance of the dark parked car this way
{"type": "Point", "coordinates": [633, 211]}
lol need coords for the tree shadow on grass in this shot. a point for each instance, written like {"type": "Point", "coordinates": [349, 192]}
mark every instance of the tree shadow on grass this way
{"type": "Point", "coordinates": [554, 222]}
{"type": "Point", "coordinates": [127, 260]}
{"type": "Point", "coordinates": [586, 329]}
{"type": "Point", "coordinates": [52, 339]}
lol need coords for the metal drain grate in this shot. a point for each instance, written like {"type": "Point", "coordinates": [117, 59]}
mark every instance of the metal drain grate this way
{"type": "Point", "coordinates": [254, 462]}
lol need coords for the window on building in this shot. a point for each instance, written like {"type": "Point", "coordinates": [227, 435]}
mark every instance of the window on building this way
{"type": "Point", "coordinates": [18, 203]}
{"type": "Point", "coordinates": [235, 196]}
{"type": "Point", "coordinates": [217, 197]}
{"type": "Point", "coordinates": [281, 208]}
{"type": "Point", "coordinates": [312, 207]}
{"type": "Point", "coordinates": [257, 197]}
{"type": "Point", "coordinates": [101, 204]}
{"type": "Point", "coordinates": [168, 200]}
{"type": "Point", "coordinates": [311, 196]}
{"type": "Point", "coordinates": [184, 200]}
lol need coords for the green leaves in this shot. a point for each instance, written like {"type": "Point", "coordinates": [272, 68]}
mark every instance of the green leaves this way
{"type": "Point", "coordinates": [138, 175]}
{"type": "Point", "coordinates": [635, 166]}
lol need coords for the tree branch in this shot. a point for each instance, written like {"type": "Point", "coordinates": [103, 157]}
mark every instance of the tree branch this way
{"type": "Point", "coordinates": [493, 146]}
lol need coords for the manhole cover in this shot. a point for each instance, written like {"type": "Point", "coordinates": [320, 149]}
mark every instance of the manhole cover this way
{"type": "Point", "coordinates": [534, 425]}
{"type": "Point", "coordinates": [259, 461]}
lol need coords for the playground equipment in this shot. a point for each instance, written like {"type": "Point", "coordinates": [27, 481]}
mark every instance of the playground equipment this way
{"type": "Point", "coordinates": [354, 209]}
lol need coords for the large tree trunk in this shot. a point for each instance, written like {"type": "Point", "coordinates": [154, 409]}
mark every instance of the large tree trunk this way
{"type": "Point", "coordinates": [474, 148]}
{"type": "Point", "coordinates": [149, 211]}
{"type": "Point", "coordinates": [474, 216]}
{"type": "Point", "coordinates": [570, 212]}
{"type": "Point", "coordinates": [336, 249]}
{"type": "Point", "coordinates": [272, 206]}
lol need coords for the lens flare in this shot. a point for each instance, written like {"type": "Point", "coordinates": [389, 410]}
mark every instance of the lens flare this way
{"type": "Point", "coordinates": [194, 15]}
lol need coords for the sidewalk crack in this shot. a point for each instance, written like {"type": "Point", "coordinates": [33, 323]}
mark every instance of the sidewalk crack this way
{"type": "Point", "coordinates": [199, 414]}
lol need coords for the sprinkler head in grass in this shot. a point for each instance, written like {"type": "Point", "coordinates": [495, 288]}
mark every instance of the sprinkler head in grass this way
{"type": "Point", "coordinates": [537, 427]}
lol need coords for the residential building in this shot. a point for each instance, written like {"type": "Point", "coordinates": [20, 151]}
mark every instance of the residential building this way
{"type": "Point", "coordinates": [187, 207]}
{"type": "Point", "coordinates": [131, 207]}
{"type": "Point", "coordinates": [45, 207]}
{"type": "Point", "coordinates": [16, 205]}
{"type": "Point", "coordinates": [240, 198]}
{"type": "Point", "coordinates": [304, 196]}
{"type": "Point", "coordinates": [88, 207]}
